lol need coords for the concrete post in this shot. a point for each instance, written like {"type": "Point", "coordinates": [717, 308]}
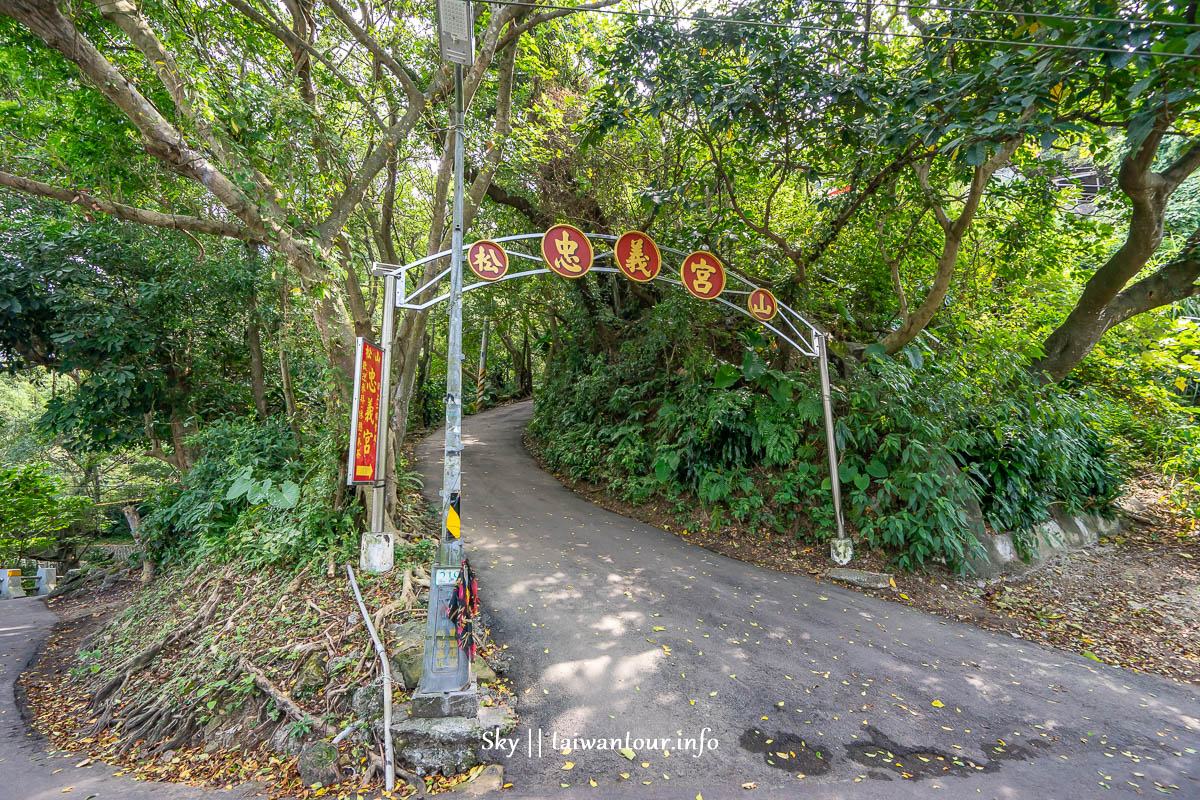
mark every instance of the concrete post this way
{"type": "Point", "coordinates": [47, 580]}
{"type": "Point", "coordinates": [10, 584]}
{"type": "Point", "coordinates": [480, 377]}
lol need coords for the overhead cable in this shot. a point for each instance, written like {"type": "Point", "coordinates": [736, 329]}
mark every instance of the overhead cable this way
{"type": "Point", "coordinates": [799, 26]}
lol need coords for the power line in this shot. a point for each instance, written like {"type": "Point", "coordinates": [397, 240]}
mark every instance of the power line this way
{"type": "Point", "coordinates": [1021, 13]}
{"type": "Point", "coordinates": [799, 26]}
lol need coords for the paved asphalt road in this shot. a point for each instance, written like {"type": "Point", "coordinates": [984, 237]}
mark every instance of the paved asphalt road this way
{"type": "Point", "coordinates": [616, 628]}
{"type": "Point", "coordinates": [27, 770]}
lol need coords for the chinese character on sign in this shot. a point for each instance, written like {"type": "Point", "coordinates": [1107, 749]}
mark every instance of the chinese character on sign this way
{"type": "Point", "coordinates": [364, 415]}
{"type": "Point", "coordinates": [637, 259]}
{"type": "Point", "coordinates": [702, 270]}
{"type": "Point", "coordinates": [488, 260]}
{"type": "Point", "coordinates": [637, 256]}
{"type": "Point", "coordinates": [703, 275]}
{"type": "Point", "coordinates": [567, 251]}
{"type": "Point", "coordinates": [762, 305]}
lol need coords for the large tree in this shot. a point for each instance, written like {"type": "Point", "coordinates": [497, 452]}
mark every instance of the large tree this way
{"type": "Point", "coordinates": [298, 127]}
{"type": "Point", "coordinates": [810, 129]}
{"type": "Point", "coordinates": [285, 129]}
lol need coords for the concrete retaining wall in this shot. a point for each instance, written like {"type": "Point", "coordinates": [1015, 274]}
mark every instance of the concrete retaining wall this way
{"type": "Point", "coordinates": [119, 552]}
{"type": "Point", "coordinates": [1060, 534]}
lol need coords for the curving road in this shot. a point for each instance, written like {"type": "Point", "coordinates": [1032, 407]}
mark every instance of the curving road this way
{"type": "Point", "coordinates": [732, 674]}
{"type": "Point", "coordinates": [28, 771]}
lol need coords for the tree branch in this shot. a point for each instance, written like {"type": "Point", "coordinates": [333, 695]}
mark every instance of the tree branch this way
{"type": "Point", "coordinates": [1171, 283]}
{"type": "Point", "coordinates": [539, 218]}
{"type": "Point", "coordinates": [1183, 167]}
{"type": "Point", "coordinates": [78, 197]}
{"type": "Point", "coordinates": [376, 49]}
{"type": "Point", "coordinates": [292, 40]}
{"type": "Point", "coordinates": [162, 139]}
{"type": "Point", "coordinates": [922, 170]}
{"type": "Point", "coordinates": [537, 19]}
{"type": "Point", "coordinates": [502, 130]}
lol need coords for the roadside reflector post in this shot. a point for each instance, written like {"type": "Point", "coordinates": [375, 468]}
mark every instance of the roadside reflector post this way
{"type": "Point", "coordinates": [481, 376]}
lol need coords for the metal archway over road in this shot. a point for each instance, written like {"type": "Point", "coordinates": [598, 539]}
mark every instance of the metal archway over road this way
{"type": "Point", "coordinates": [782, 320]}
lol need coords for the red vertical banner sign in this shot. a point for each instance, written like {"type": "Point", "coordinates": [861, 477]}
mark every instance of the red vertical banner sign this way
{"type": "Point", "coordinates": [364, 413]}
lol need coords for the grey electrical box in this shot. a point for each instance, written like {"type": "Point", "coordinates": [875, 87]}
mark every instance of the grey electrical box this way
{"type": "Point", "coordinates": [456, 31]}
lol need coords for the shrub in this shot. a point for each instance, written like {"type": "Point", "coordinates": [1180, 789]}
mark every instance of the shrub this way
{"type": "Point", "coordinates": [921, 439]}
{"type": "Point", "coordinates": [35, 510]}
{"type": "Point", "coordinates": [253, 494]}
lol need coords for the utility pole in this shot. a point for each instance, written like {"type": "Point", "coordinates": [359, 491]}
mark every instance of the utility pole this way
{"type": "Point", "coordinates": [446, 688]}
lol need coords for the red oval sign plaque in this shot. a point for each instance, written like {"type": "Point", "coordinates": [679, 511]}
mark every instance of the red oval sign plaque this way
{"type": "Point", "coordinates": [703, 275]}
{"type": "Point", "coordinates": [487, 260]}
{"type": "Point", "coordinates": [567, 251]}
{"type": "Point", "coordinates": [637, 256]}
{"type": "Point", "coordinates": [762, 304]}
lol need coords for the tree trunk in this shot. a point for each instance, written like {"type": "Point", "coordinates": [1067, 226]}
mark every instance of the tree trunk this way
{"type": "Point", "coordinates": [1104, 301]}
{"type": "Point", "coordinates": [527, 360]}
{"type": "Point", "coordinates": [289, 396]}
{"type": "Point", "coordinates": [257, 379]}
{"type": "Point", "coordinates": [183, 459]}
{"type": "Point", "coordinates": [254, 340]}
{"type": "Point", "coordinates": [135, 524]}
{"type": "Point", "coordinates": [411, 334]}
{"type": "Point", "coordinates": [1083, 328]}
{"type": "Point", "coordinates": [954, 230]}
{"type": "Point", "coordinates": [285, 373]}
{"type": "Point", "coordinates": [91, 479]}
{"type": "Point", "coordinates": [916, 321]}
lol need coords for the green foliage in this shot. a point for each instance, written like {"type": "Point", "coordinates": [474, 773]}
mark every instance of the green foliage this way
{"type": "Point", "coordinates": [794, 153]}
{"type": "Point", "coordinates": [922, 439]}
{"type": "Point", "coordinates": [253, 495]}
{"type": "Point", "coordinates": [35, 509]}
{"type": "Point", "coordinates": [144, 326]}
{"type": "Point", "coordinates": [953, 430]}
{"type": "Point", "coordinates": [1147, 381]}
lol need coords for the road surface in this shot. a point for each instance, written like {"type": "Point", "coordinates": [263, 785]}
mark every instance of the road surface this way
{"type": "Point", "coordinates": [730, 674]}
{"type": "Point", "coordinates": [28, 770]}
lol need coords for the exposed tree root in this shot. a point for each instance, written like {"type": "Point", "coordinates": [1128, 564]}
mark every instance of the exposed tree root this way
{"type": "Point", "coordinates": [408, 594]}
{"type": "Point", "coordinates": [140, 660]}
{"type": "Point", "coordinates": [211, 658]}
{"type": "Point", "coordinates": [290, 590]}
{"type": "Point", "coordinates": [285, 703]}
{"type": "Point", "coordinates": [383, 613]}
{"type": "Point", "coordinates": [231, 621]}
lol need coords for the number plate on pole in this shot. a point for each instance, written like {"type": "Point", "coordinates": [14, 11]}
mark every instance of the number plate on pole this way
{"type": "Point", "coordinates": [445, 576]}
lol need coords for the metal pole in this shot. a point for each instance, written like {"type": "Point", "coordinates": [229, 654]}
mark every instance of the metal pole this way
{"type": "Point", "coordinates": [389, 753]}
{"type": "Point", "coordinates": [378, 547]}
{"type": "Point", "coordinates": [445, 688]}
{"type": "Point", "coordinates": [452, 472]}
{"type": "Point", "coordinates": [840, 549]}
{"type": "Point", "coordinates": [479, 377]}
